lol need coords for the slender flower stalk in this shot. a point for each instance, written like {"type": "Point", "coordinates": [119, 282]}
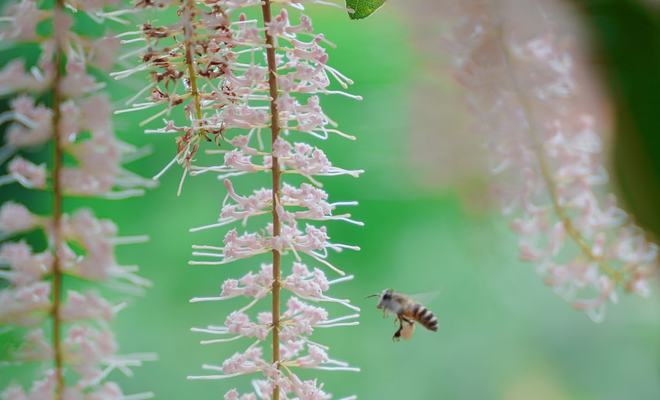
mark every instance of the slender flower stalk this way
{"type": "Point", "coordinates": [276, 174]}
{"type": "Point", "coordinates": [235, 78]}
{"type": "Point", "coordinates": [81, 352]}
{"type": "Point", "coordinates": [529, 89]}
{"type": "Point", "coordinates": [57, 208]}
{"type": "Point", "coordinates": [190, 62]}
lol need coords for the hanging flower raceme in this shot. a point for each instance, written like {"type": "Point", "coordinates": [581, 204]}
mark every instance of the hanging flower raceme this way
{"type": "Point", "coordinates": [236, 78]}
{"type": "Point", "coordinates": [87, 162]}
{"type": "Point", "coordinates": [535, 103]}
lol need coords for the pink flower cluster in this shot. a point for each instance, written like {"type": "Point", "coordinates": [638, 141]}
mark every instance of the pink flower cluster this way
{"type": "Point", "coordinates": [539, 111]}
{"type": "Point", "coordinates": [85, 126]}
{"type": "Point", "coordinates": [298, 350]}
{"type": "Point", "coordinates": [78, 244]}
{"type": "Point", "coordinates": [43, 389]}
{"type": "Point", "coordinates": [212, 64]}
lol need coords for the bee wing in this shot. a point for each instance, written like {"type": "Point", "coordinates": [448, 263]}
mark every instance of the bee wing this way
{"type": "Point", "coordinates": [425, 298]}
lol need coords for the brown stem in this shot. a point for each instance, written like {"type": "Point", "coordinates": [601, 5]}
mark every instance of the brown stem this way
{"type": "Point", "coordinates": [57, 215]}
{"type": "Point", "coordinates": [275, 131]}
{"type": "Point", "coordinates": [544, 166]}
{"type": "Point", "coordinates": [190, 63]}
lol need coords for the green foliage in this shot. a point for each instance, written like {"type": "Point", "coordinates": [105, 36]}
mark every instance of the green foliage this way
{"type": "Point", "coordinates": [632, 75]}
{"type": "Point", "coordinates": [363, 8]}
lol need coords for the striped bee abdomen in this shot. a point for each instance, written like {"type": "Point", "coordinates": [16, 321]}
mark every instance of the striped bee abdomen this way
{"type": "Point", "coordinates": [425, 317]}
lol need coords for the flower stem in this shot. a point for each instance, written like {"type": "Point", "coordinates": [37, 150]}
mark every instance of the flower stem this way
{"type": "Point", "coordinates": [57, 212]}
{"type": "Point", "coordinates": [190, 63]}
{"type": "Point", "coordinates": [275, 131]}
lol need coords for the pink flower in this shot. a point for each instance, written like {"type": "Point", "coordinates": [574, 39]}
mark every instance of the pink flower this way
{"type": "Point", "coordinates": [28, 174]}
{"type": "Point", "coordinates": [537, 108]}
{"type": "Point", "coordinates": [41, 389]}
{"type": "Point", "coordinates": [33, 125]}
{"type": "Point", "coordinates": [239, 324]}
{"type": "Point", "coordinates": [77, 82]}
{"type": "Point", "coordinates": [234, 395]}
{"type": "Point", "coordinates": [95, 114]}
{"type": "Point", "coordinates": [85, 348]}
{"type": "Point", "coordinates": [16, 218]}
{"type": "Point", "coordinates": [104, 52]}
{"type": "Point", "coordinates": [24, 17]}
{"type": "Point", "coordinates": [86, 306]}
{"type": "Point", "coordinates": [309, 389]}
{"type": "Point", "coordinates": [14, 78]}
{"type": "Point", "coordinates": [96, 238]}
{"type": "Point", "coordinates": [306, 283]}
{"type": "Point", "coordinates": [36, 347]}
{"type": "Point", "coordinates": [244, 363]}
{"type": "Point", "coordinates": [25, 306]}
{"type": "Point", "coordinates": [26, 267]}
{"type": "Point", "coordinates": [316, 356]}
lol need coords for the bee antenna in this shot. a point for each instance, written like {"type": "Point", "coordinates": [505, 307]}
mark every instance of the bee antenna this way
{"type": "Point", "coordinates": [373, 295]}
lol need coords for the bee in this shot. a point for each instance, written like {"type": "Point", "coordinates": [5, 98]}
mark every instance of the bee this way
{"type": "Point", "coordinates": [407, 311]}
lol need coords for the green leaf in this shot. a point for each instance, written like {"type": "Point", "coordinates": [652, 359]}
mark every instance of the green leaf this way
{"type": "Point", "coordinates": [362, 8]}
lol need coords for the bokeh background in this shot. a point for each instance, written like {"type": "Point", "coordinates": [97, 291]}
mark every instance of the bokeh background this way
{"type": "Point", "coordinates": [503, 334]}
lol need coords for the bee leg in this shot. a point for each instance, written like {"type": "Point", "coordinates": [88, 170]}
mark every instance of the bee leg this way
{"type": "Point", "coordinates": [397, 334]}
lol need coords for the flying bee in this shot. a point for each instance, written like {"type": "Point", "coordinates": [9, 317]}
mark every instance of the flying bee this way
{"type": "Point", "coordinates": [408, 311]}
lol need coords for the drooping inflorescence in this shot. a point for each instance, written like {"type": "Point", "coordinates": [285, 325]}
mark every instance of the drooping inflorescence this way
{"type": "Point", "coordinates": [238, 79]}
{"type": "Point", "coordinates": [58, 103]}
{"type": "Point", "coordinates": [538, 110]}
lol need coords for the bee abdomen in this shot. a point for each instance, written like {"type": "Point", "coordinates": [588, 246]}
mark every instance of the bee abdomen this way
{"type": "Point", "coordinates": [425, 317]}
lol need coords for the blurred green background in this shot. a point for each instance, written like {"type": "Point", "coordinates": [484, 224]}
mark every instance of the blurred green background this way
{"type": "Point", "coordinates": [503, 334]}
